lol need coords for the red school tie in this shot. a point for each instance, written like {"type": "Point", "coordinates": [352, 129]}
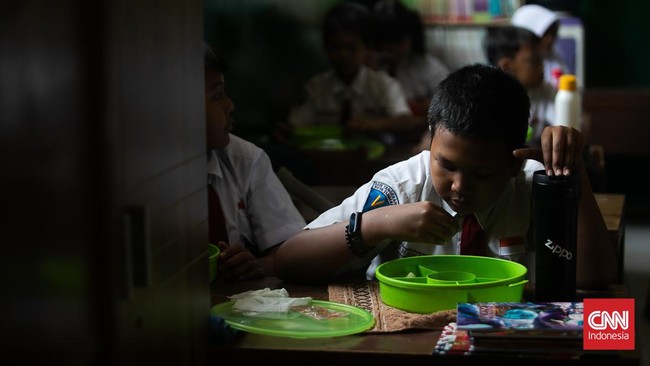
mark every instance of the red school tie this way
{"type": "Point", "coordinates": [216, 220]}
{"type": "Point", "coordinates": [472, 237]}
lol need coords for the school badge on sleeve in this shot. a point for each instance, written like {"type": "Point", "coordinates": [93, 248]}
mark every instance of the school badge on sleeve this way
{"type": "Point", "coordinates": [380, 195]}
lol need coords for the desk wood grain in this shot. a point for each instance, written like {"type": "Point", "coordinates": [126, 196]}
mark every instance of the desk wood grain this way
{"type": "Point", "coordinates": [400, 348]}
{"type": "Point", "coordinates": [413, 347]}
{"type": "Point", "coordinates": [612, 207]}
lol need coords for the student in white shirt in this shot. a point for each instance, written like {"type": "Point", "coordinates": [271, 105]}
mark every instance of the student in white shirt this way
{"type": "Point", "coordinates": [258, 211]}
{"type": "Point", "coordinates": [402, 53]}
{"type": "Point", "coordinates": [478, 165]}
{"type": "Point", "coordinates": [545, 24]}
{"type": "Point", "coordinates": [351, 94]}
{"type": "Point", "coordinates": [516, 51]}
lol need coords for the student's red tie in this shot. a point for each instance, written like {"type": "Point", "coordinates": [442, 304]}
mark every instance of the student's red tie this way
{"type": "Point", "coordinates": [472, 239]}
{"type": "Point", "coordinates": [217, 222]}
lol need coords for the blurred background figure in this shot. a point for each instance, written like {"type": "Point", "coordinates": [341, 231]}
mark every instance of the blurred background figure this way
{"type": "Point", "coordinates": [271, 51]}
{"type": "Point", "coordinates": [516, 50]}
{"type": "Point", "coordinates": [545, 24]}
{"type": "Point", "coordinates": [402, 53]}
{"type": "Point", "coordinates": [351, 94]}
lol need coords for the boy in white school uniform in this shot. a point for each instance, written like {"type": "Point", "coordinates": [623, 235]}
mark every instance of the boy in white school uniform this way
{"type": "Point", "coordinates": [351, 94]}
{"type": "Point", "coordinates": [516, 51]}
{"type": "Point", "coordinates": [258, 213]}
{"type": "Point", "coordinates": [477, 167]}
{"type": "Point", "coordinates": [544, 23]}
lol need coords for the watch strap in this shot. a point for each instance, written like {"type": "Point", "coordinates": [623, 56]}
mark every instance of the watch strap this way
{"type": "Point", "coordinates": [353, 235]}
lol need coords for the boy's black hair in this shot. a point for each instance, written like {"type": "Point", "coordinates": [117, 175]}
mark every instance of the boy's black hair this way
{"type": "Point", "coordinates": [506, 41]}
{"type": "Point", "coordinates": [395, 21]}
{"type": "Point", "coordinates": [212, 61]}
{"type": "Point", "coordinates": [481, 102]}
{"type": "Point", "coordinates": [350, 17]}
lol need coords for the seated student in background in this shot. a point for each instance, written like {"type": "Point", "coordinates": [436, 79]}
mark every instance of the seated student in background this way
{"type": "Point", "coordinates": [257, 211]}
{"type": "Point", "coordinates": [352, 94]}
{"type": "Point", "coordinates": [516, 51]}
{"type": "Point", "coordinates": [545, 24]}
{"type": "Point", "coordinates": [402, 53]}
{"type": "Point", "coordinates": [477, 166]}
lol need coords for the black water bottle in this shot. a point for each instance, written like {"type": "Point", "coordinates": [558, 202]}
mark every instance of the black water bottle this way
{"type": "Point", "coordinates": [555, 234]}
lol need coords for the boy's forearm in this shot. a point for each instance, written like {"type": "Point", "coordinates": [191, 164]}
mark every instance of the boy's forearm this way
{"type": "Point", "coordinates": [318, 253]}
{"type": "Point", "coordinates": [312, 254]}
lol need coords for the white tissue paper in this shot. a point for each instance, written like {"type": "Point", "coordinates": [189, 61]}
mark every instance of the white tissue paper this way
{"type": "Point", "coordinates": [267, 300]}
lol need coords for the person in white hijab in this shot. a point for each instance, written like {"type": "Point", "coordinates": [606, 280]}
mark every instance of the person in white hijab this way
{"type": "Point", "coordinates": [545, 24]}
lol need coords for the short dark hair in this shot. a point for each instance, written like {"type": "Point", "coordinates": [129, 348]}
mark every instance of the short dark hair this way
{"type": "Point", "coordinates": [395, 21]}
{"type": "Point", "coordinates": [481, 102]}
{"type": "Point", "coordinates": [349, 17]}
{"type": "Point", "coordinates": [506, 41]}
{"type": "Point", "coordinates": [212, 61]}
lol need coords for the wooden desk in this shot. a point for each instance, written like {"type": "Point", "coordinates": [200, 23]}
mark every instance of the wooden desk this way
{"type": "Point", "coordinates": [400, 348]}
{"type": "Point", "coordinates": [411, 348]}
{"type": "Point", "coordinates": [612, 206]}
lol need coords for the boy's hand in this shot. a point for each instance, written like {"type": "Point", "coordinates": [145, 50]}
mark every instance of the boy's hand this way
{"type": "Point", "coordinates": [237, 262]}
{"type": "Point", "coordinates": [423, 222]}
{"type": "Point", "coordinates": [560, 150]}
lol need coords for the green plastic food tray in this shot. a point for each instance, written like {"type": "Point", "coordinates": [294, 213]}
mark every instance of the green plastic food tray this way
{"type": "Point", "coordinates": [405, 283]}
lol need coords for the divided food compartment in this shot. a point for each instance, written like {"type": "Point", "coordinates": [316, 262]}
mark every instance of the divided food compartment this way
{"type": "Point", "coordinates": [426, 284]}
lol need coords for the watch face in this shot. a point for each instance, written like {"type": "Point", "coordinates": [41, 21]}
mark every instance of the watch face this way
{"type": "Point", "coordinates": [353, 235]}
{"type": "Point", "coordinates": [354, 224]}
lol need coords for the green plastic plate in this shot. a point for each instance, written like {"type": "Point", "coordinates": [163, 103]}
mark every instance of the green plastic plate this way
{"type": "Point", "coordinates": [330, 319]}
{"type": "Point", "coordinates": [328, 138]}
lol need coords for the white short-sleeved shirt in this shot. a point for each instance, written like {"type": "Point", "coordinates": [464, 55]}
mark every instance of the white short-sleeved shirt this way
{"type": "Point", "coordinates": [552, 62]}
{"type": "Point", "coordinates": [372, 94]}
{"type": "Point", "coordinates": [419, 76]}
{"type": "Point", "coordinates": [257, 208]}
{"type": "Point", "coordinates": [507, 224]}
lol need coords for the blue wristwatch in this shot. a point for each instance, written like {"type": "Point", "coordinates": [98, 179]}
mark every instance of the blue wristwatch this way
{"type": "Point", "coordinates": [353, 235]}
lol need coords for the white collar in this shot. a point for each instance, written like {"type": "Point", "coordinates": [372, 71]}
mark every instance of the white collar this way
{"type": "Point", "coordinates": [355, 88]}
{"type": "Point", "coordinates": [214, 167]}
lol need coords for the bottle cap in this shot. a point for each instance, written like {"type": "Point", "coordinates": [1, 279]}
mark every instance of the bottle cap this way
{"type": "Point", "coordinates": [567, 82]}
{"type": "Point", "coordinates": [556, 187]}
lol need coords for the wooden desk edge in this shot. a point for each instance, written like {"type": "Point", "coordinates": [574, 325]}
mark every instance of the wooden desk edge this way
{"type": "Point", "coordinates": [414, 347]}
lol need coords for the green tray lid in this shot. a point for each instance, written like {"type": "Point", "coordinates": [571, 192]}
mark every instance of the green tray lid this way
{"type": "Point", "coordinates": [346, 320]}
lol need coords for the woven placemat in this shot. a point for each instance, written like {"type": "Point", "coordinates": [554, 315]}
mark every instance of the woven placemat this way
{"type": "Point", "coordinates": [387, 318]}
